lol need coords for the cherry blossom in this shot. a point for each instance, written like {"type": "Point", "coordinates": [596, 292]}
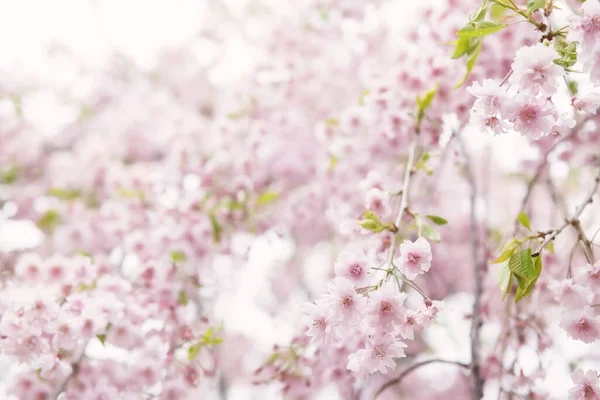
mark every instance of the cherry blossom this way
{"type": "Point", "coordinates": [415, 258]}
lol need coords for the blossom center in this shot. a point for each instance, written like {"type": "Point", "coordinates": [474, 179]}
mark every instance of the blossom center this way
{"type": "Point", "coordinates": [356, 269]}
{"type": "Point", "coordinates": [413, 258]}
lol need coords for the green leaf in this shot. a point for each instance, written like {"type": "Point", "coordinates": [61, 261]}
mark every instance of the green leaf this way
{"type": "Point", "coordinates": [49, 220]}
{"type": "Point", "coordinates": [462, 47]}
{"type": "Point", "coordinates": [481, 12]}
{"type": "Point", "coordinates": [178, 256]}
{"type": "Point", "coordinates": [9, 175]}
{"type": "Point", "coordinates": [567, 52]}
{"type": "Point", "coordinates": [194, 350]}
{"type": "Point", "coordinates": [64, 194]}
{"type": "Point", "coordinates": [130, 193]}
{"type": "Point", "coordinates": [371, 222]}
{"type": "Point", "coordinates": [430, 233]}
{"type": "Point", "coordinates": [521, 264]}
{"type": "Point", "coordinates": [507, 252]}
{"type": "Point", "coordinates": [504, 278]}
{"type": "Point", "coordinates": [102, 338]}
{"type": "Point", "coordinates": [422, 163]}
{"type": "Point", "coordinates": [216, 228]}
{"type": "Point", "coordinates": [332, 122]}
{"type": "Point", "coordinates": [524, 220]}
{"type": "Point", "coordinates": [183, 299]}
{"type": "Point", "coordinates": [483, 28]}
{"type": "Point", "coordinates": [472, 55]}
{"type": "Point", "coordinates": [533, 5]}
{"type": "Point", "coordinates": [363, 95]}
{"type": "Point", "coordinates": [267, 197]}
{"type": "Point", "coordinates": [550, 247]}
{"type": "Point", "coordinates": [427, 98]}
{"type": "Point", "coordinates": [525, 289]}
{"type": "Point", "coordinates": [437, 220]}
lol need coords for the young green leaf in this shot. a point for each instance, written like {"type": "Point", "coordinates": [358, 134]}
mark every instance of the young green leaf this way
{"type": "Point", "coordinates": [525, 289]}
{"type": "Point", "coordinates": [482, 28]}
{"type": "Point", "coordinates": [216, 228]}
{"type": "Point", "coordinates": [194, 350]}
{"type": "Point", "coordinates": [183, 299]}
{"type": "Point", "coordinates": [430, 233]}
{"type": "Point", "coordinates": [533, 5]}
{"type": "Point", "coordinates": [266, 198]}
{"type": "Point", "coordinates": [507, 252]}
{"type": "Point", "coordinates": [49, 220]}
{"type": "Point", "coordinates": [472, 55]}
{"type": "Point", "coordinates": [64, 194]}
{"type": "Point", "coordinates": [504, 278]}
{"type": "Point", "coordinates": [524, 220]}
{"type": "Point", "coordinates": [178, 256]}
{"type": "Point", "coordinates": [102, 338]}
{"type": "Point", "coordinates": [437, 220]}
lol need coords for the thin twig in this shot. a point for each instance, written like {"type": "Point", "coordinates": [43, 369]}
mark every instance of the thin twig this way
{"type": "Point", "coordinates": [405, 194]}
{"type": "Point", "coordinates": [575, 219]}
{"type": "Point", "coordinates": [413, 367]}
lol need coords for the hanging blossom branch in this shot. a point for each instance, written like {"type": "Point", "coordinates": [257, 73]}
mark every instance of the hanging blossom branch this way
{"type": "Point", "coordinates": [479, 264]}
{"type": "Point", "coordinates": [405, 193]}
{"type": "Point", "coordinates": [573, 221]}
{"type": "Point", "coordinates": [413, 368]}
{"type": "Point", "coordinates": [542, 167]}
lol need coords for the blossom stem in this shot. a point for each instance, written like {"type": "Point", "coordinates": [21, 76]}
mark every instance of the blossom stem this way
{"type": "Point", "coordinates": [405, 193]}
{"type": "Point", "coordinates": [412, 368]}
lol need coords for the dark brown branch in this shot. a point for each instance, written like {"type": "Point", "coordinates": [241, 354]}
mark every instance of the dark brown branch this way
{"type": "Point", "coordinates": [413, 367]}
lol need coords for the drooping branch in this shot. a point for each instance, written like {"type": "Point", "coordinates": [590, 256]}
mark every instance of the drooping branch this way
{"type": "Point", "coordinates": [574, 220]}
{"type": "Point", "coordinates": [414, 367]}
{"type": "Point", "coordinates": [405, 193]}
{"type": "Point", "coordinates": [479, 264]}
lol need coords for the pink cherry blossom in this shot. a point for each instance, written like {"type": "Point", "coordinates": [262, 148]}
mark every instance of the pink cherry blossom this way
{"type": "Point", "coordinates": [581, 324]}
{"type": "Point", "coordinates": [352, 265]}
{"type": "Point", "coordinates": [384, 310]}
{"type": "Point", "coordinates": [415, 258]}
{"type": "Point", "coordinates": [585, 29]}
{"type": "Point", "coordinates": [534, 70]}
{"type": "Point", "coordinates": [345, 304]}
{"type": "Point", "coordinates": [587, 385]}
{"type": "Point", "coordinates": [378, 356]}
{"type": "Point", "coordinates": [316, 320]}
{"type": "Point", "coordinates": [531, 117]}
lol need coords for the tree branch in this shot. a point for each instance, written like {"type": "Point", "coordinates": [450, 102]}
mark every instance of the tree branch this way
{"type": "Point", "coordinates": [412, 368]}
{"type": "Point", "coordinates": [479, 265]}
{"type": "Point", "coordinates": [573, 221]}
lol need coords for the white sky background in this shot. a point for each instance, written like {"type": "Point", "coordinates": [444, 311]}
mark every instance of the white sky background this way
{"type": "Point", "coordinates": [94, 30]}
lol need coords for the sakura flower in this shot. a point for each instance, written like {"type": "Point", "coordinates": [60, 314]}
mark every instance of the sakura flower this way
{"type": "Point", "coordinates": [384, 310]}
{"type": "Point", "coordinates": [531, 117]}
{"type": "Point", "coordinates": [534, 70]}
{"type": "Point", "coordinates": [29, 267]}
{"type": "Point", "coordinates": [57, 268]}
{"type": "Point", "coordinates": [414, 321]}
{"type": "Point", "coordinates": [588, 103]}
{"type": "Point", "coordinates": [491, 98]}
{"type": "Point", "coordinates": [587, 385]}
{"type": "Point", "coordinates": [377, 356]}
{"type": "Point", "coordinates": [569, 293]}
{"type": "Point", "coordinates": [585, 29]}
{"type": "Point", "coordinates": [316, 319]}
{"type": "Point", "coordinates": [352, 265]}
{"type": "Point", "coordinates": [415, 258]}
{"type": "Point", "coordinates": [492, 122]}
{"type": "Point", "coordinates": [378, 201]}
{"type": "Point", "coordinates": [345, 303]}
{"type": "Point", "coordinates": [581, 324]}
